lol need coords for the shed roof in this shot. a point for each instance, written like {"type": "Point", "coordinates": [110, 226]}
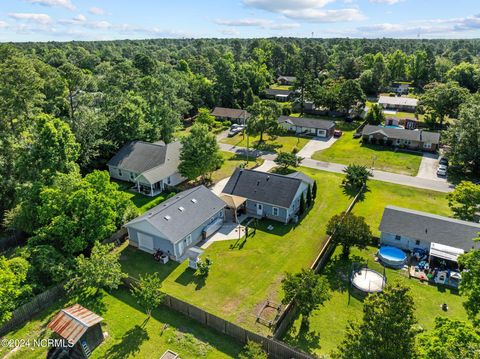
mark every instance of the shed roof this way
{"type": "Point", "coordinates": [403, 134]}
{"type": "Point", "coordinates": [307, 122]}
{"type": "Point", "coordinates": [429, 227]}
{"type": "Point", "coordinates": [180, 215]}
{"type": "Point", "coordinates": [229, 112]}
{"type": "Point", "coordinates": [270, 188]}
{"type": "Point", "coordinates": [398, 101]}
{"type": "Point", "coordinates": [72, 322]}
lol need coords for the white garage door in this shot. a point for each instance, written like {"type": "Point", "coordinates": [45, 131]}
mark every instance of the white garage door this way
{"type": "Point", "coordinates": [145, 242]}
{"type": "Point", "coordinates": [321, 133]}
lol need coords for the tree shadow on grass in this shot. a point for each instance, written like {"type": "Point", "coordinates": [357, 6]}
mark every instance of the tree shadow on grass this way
{"type": "Point", "coordinates": [130, 344]}
{"type": "Point", "coordinates": [189, 276]}
{"type": "Point", "coordinates": [351, 192]}
{"type": "Point", "coordinates": [305, 339]}
{"type": "Point", "coordinates": [92, 301]}
{"type": "Point", "coordinates": [338, 271]}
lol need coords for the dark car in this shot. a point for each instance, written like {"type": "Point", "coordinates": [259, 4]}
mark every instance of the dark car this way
{"type": "Point", "coordinates": [443, 161]}
{"type": "Point", "coordinates": [337, 133]}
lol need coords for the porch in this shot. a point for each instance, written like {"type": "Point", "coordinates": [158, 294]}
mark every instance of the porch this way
{"type": "Point", "coordinates": [149, 189]}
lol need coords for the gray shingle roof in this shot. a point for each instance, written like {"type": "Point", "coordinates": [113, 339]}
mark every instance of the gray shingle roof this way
{"type": "Point", "coordinates": [274, 189]}
{"type": "Point", "coordinates": [288, 78]}
{"type": "Point", "coordinates": [139, 156]}
{"type": "Point", "coordinates": [429, 227]}
{"type": "Point", "coordinates": [229, 112]}
{"type": "Point", "coordinates": [398, 101]}
{"type": "Point", "coordinates": [307, 122]}
{"type": "Point", "coordinates": [402, 134]}
{"type": "Point", "coordinates": [302, 176]}
{"type": "Point", "coordinates": [154, 161]}
{"type": "Point", "coordinates": [274, 92]}
{"type": "Point", "coordinates": [180, 215]}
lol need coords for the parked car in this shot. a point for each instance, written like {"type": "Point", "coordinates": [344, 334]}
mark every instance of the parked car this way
{"type": "Point", "coordinates": [337, 133]}
{"type": "Point", "coordinates": [443, 161]}
{"type": "Point", "coordinates": [235, 129]}
{"type": "Point", "coordinates": [442, 170]}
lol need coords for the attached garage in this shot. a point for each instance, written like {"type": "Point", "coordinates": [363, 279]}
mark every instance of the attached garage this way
{"type": "Point", "coordinates": [145, 242]}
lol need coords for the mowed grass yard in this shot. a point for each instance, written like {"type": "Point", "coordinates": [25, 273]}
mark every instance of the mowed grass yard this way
{"type": "Point", "coordinates": [245, 274]}
{"type": "Point", "coordinates": [275, 144]}
{"type": "Point", "coordinates": [232, 161]}
{"type": "Point", "coordinates": [348, 150]}
{"type": "Point", "coordinates": [123, 320]}
{"type": "Point", "coordinates": [328, 323]}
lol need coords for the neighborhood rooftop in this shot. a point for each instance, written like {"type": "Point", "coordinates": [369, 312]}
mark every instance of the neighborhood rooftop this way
{"type": "Point", "coordinates": [180, 215]}
{"type": "Point", "coordinates": [275, 92]}
{"type": "Point", "coordinates": [229, 112]}
{"type": "Point", "coordinates": [274, 189]}
{"type": "Point", "coordinates": [139, 156]}
{"type": "Point", "coordinates": [287, 78]}
{"type": "Point", "coordinates": [307, 122]}
{"type": "Point", "coordinates": [400, 133]}
{"type": "Point", "coordinates": [398, 101]}
{"type": "Point", "coordinates": [429, 227]}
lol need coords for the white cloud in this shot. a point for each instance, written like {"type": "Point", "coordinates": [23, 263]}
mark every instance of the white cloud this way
{"type": "Point", "coordinates": [80, 18]}
{"type": "Point", "coordinates": [99, 25]}
{"type": "Point", "coordinates": [389, 2]}
{"type": "Point", "coordinates": [244, 22]}
{"type": "Point", "coordinates": [325, 16]}
{"type": "Point", "coordinates": [425, 28]}
{"type": "Point", "coordinates": [230, 32]}
{"type": "Point", "coordinates": [307, 10]}
{"type": "Point", "coordinates": [252, 22]}
{"type": "Point", "coordinates": [97, 11]}
{"type": "Point", "coordinates": [3, 25]}
{"type": "Point", "coordinates": [67, 4]}
{"type": "Point", "coordinates": [281, 5]}
{"type": "Point", "coordinates": [37, 18]}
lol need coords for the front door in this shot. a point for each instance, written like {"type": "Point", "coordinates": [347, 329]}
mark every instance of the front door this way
{"type": "Point", "coordinates": [260, 209]}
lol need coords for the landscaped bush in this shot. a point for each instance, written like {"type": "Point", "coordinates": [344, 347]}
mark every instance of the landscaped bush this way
{"type": "Point", "coordinates": [389, 142]}
{"type": "Point", "coordinates": [286, 111]}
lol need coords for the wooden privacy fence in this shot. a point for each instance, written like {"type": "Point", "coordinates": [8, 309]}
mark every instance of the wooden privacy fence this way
{"type": "Point", "coordinates": [275, 348]}
{"type": "Point", "coordinates": [291, 311]}
{"type": "Point", "coordinates": [38, 303]}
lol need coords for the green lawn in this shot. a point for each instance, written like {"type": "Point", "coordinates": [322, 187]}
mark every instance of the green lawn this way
{"type": "Point", "coordinates": [281, 87]}
{"type": "Point", "coordinates": [380, 194]}
{"type": "Point", "coordinates": [142, 202]}
{"type": "Point", "coordinates": [229, 290]}
{"type": "Point", "coordinates": [127, 338]}
{"type": "Point", "coordinates": [279, 143]}
{"type": "Point", "coordinates": [232, 161]}
{"type": "Point", "coordinates": [348, 150]}
{"type": "Point", "coordinates": [327, 324]}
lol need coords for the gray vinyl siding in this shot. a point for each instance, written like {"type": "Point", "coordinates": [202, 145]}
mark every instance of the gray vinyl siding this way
{"type": "Point", "coordinates": [405, 243]}
{"type": "Point", "coordinates": [121, 174]}
{"type": "Point", "coordinates": [197, 234]}
{"type": "Point", "coordinates": [158, 242]}
{"type": "Point", "coordinates": [267, 211]}
{"type": "Point", "coordinates": [166, 245]}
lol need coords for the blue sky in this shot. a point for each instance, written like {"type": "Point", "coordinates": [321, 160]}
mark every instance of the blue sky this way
{"type": "Point", "coordinates": [63, 20]}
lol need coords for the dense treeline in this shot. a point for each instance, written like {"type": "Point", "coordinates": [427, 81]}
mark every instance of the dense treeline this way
{"type": "Point", "coordinates": [66, 108]}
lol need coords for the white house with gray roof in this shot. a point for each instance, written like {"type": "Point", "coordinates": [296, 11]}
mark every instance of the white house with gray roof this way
{"type": "Point", "coordinates": [178, 223]}
{"type": "Point", "coordinates": [307, 126]}
{"type": "Point", "coordinates": [152, 167]}
{"type": "Point", "coordinates": [398, 103]}
{"type": "Point", "coordinates": [408, 229]}
{"type": "Point", "coordinates": [398, 137]}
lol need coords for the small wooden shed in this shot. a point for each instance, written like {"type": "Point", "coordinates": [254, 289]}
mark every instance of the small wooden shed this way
{"type": "Point", "coordinates": [81, 328]}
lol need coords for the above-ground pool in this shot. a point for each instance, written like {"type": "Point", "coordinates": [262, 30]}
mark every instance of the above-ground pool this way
{"type": "Point", "coordinates": [368, 280]}
{"type": "Point", "coordinates": [392, 257]}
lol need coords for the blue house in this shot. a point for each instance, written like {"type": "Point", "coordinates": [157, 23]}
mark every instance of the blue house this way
{"type": "Point", "coordinates": [178, 223]}
{"type": "Point", "coordinates": [269, 195]}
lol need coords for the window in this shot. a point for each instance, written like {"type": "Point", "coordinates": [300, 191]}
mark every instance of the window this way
{"type": "Point", "coordinates": [417, 242]}
{"type": "Point", "coordinates": [397, 237]}
{"type": "Point", "coordinates": [132, 175]}
{"type": "Point", "coordinates": [168, 180]}
{"type": "Point", "coordinates": [188, 239]}
{"type": "Point", "coordinates": [427, 145]}
{"type": "Point", "coordinates": [275, 211]}
{"type": "Point", "coordinates": [120, 172]}
{"type": "Point", "coordinates": [398, 141]}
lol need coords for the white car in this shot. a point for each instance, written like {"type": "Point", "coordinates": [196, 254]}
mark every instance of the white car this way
{"type": "Point", "coordinates": [442, 170]}
{"type": "Point", "coordinates": [235, 129]}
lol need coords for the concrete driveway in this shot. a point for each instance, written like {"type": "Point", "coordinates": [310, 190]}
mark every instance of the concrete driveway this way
{"type": "Point", "coordinates": [316, 144]}
{"type": "Point", "coordinates": [428, 167]}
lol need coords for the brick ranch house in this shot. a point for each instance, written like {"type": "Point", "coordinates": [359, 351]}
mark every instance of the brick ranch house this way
{"type": "Point", "coordinates": [397, 137]}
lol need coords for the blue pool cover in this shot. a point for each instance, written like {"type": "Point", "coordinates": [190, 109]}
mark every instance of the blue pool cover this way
{"type": "Point", "coordinates": [392, 256]}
